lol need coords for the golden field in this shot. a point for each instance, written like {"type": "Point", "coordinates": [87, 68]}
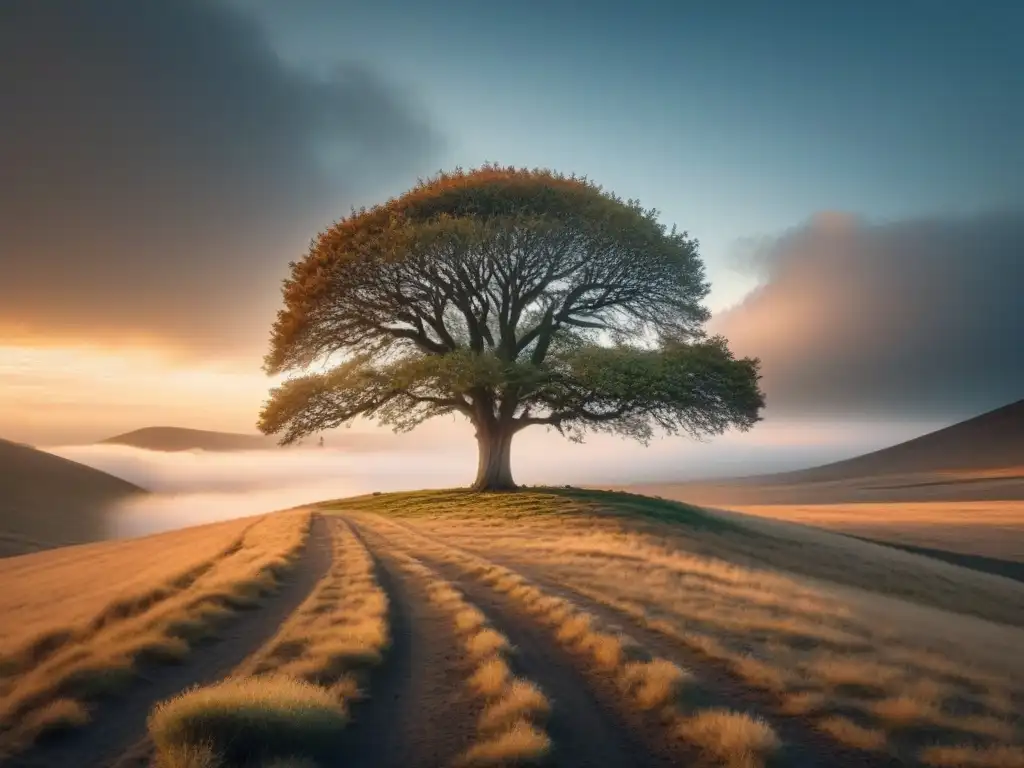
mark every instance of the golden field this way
{"type": "Point", "coordinates": [79, 621]}
{"type": "Point", "coordinates": [566, 625]}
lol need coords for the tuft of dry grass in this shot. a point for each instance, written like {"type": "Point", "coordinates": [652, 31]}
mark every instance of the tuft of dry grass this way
{"type": "Point", "coordinates": [112, 607]}
{"type": "Point", "coordinates": [737, 740]}
{"type": "Point", "coordinates": [491, 677]}
{"type": "Point", "coordinates": [486, 642]}
{"type": "Point", "coordinates": [847, 732]}
{"type": "Point", "coordinates": [517, 700]}
{"type": "Point", "coordinates": [469, 619]}
{"type": "Point", "coordinates": [653, 684]}
{"type": "Point", "coordinates": [521, 744]}
{"type": "Point", "coordinates": [904, 709]}
{"type": "Point", "coordinates": [246, 719]}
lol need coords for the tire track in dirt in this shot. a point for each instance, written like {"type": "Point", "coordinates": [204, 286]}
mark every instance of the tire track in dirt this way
{"type": "Point", "coordinates": [417, 714]}
{"type": "Point", "coordinates": [586, 731]}
{"type": "Point", "coordinates": [803, 746]}
{"type": "Point", "coordinates": [119, 724]}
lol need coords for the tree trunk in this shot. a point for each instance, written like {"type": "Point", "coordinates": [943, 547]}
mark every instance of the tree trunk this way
{"type": "Point", "coordinates": [494, 470]}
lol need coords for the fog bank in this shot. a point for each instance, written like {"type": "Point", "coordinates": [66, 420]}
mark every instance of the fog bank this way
{"type": "Point", "coordinates": [195, 487]}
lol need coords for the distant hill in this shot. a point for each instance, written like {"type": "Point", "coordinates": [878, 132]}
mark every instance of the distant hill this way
{"type": "Point", "coordinates": [47, 501]}
{"type": "Point", "coordinates": [992, 440]}
{"type": "Point", "coordinates": [181, 439]}
{"type": "Point", "coordinates": [978, 459]}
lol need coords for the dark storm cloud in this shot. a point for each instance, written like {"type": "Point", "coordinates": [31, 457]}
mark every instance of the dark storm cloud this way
{"type": "Point", "coordinates": [159, 165]}
{"type": "Point", "coordinates": [917, 319]}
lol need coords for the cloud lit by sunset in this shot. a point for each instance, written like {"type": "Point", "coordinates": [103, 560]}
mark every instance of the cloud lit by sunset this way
{"type": "Point", "coordinates": [56, 394]}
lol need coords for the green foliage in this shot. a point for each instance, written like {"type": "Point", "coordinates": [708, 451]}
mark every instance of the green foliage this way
{"type": "Point", "coordinates": [515, 298]}
{"type": "Point", "coordinates": [692, 388]}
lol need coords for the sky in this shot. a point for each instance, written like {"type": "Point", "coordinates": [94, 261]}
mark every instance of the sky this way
{"type": "Point", "coordinates": [852, 172]}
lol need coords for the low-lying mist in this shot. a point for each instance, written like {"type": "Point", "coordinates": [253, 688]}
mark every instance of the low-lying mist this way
{"type": "Point", "coordinates": [194, 487]}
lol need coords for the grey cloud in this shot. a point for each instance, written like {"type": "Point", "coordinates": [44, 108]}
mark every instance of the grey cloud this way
{"type": "Point", "coordinates": [912, 319]}
{"type": "Point", "coordinates": [161, 165]}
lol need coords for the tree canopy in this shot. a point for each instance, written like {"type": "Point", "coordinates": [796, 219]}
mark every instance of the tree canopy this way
{"type": "Point", "coordinates": [515, 298]}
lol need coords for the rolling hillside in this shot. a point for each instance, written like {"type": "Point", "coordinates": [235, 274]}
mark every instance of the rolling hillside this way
{"type": "Point", "coordinates": [181, 439]}
{"type": "Point", "coordinates": [47, 501]}
{"type": "Point", "coordinates": [981, 459]}
{"type": "Point", "coordinates": [993, 440]}
{"type": "Point", "coordinates": [547, 626]}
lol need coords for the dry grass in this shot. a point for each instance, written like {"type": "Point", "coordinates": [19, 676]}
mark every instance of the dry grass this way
{"type": "Point", "coordinates": [873, 670]}
{"type": "Point", "coordinates": [510, 729]}
{"type": "Point", "coordinates": [737, 741]}
{"type": "Point", "coordinates": [50, 595]}
{"type": "Point", "coordinates": [242, 720]}
{"type": "Point", "coordinates": [988, 528]}
{"type": "Point", "coordinates": [519, 745]}
{"type": "Point", "coordinates": [847, 732]}
{"type": "Point", "coordinates": [653, 684]}
{"type": "Point", "coordinates": [188, 756]}
{"type": "Point", "coordinates": [973, 757]}
{"type": "Point", "coordinates": [647, 683]}
{"type": "Point", "coordinates": [868, 661]}
{"type": "Point", "coordinates": [756, 543]}
{"type": "Point", "coordinates": [339, 632]}
{"type": "Point", "coordinates": [982, 474]}
{"type": "Point", "coordinates": [56, 715]}
{"type": "Point", "coordinates": [291, 698]}
{"type": "Point", "coordinates": [491, 677]}
{"type": "Point", "coordinates": [115, 606]}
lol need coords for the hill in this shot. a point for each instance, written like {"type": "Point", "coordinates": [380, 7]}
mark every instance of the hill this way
{"type": "Point", "coordinates": [980, 459]}
{"type": "Point", "coordinates": [47, 501]}
{"type": "Point", "coordinates": [447, 627]}
{"type": "Point", "coordinates": [993, 440]}
{"type": "Point", "coordinates": [181, 439]}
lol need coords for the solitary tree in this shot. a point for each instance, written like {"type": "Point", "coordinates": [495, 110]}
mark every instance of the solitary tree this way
{"type": "Point", "coordinates": [515, 298]}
